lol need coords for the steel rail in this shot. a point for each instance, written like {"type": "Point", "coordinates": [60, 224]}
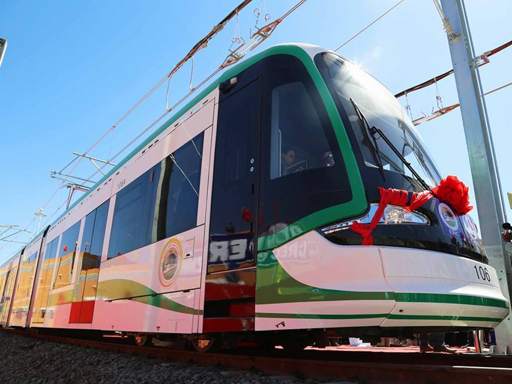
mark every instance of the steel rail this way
{"type": "Point", "coordinates": [367, 367]}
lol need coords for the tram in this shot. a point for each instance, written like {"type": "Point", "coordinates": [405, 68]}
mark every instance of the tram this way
{"type": "Point", "coordinates": [235, 220]}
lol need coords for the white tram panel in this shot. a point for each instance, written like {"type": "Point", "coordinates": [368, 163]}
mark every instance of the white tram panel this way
{"type": "Point", "coordinates": [142, 266]}
{"type": "Point", "coordinates": [180, 132]}
{"type": "Point", "coordinates": [406, 274]}
{"type": "Point", "coordinates": [316, 262]}
{"type": "Point", "coordinates": [415, 270]}
{"type": "Point", "coordinates": [339, 267]}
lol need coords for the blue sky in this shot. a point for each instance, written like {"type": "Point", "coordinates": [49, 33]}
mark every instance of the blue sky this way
{"type": "Point", "coordinates": [73, 68]}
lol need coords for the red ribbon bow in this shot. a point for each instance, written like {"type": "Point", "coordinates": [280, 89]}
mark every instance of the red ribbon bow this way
{"type": "Point", "coordinates": [450, 190]}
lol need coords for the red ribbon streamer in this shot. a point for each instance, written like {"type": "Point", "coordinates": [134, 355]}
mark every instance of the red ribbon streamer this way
{"type": "Point", "coordinates": [391, 196]}
{"type": "Point", "coordinates": [450, 190]}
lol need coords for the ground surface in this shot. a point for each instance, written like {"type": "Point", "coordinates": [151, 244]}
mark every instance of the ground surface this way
{"type": "Point", "coordinates": [24, 360]}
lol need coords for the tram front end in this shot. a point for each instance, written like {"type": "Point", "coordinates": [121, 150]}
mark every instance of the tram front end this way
{"type": "Point", "coordinates": [419, 267]}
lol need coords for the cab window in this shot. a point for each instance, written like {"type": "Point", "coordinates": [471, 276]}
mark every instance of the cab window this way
{"type": "Point", "coordinates": [303, 170]}
{"type": "Point", "coordinates": [297, 139]}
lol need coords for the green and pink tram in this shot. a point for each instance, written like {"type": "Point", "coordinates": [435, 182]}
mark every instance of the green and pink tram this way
{"type": "Point", "coordinates": [236, 220]}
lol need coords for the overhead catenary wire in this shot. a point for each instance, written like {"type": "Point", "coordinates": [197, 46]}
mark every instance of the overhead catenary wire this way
{"type": "Point", "coordinates": [34, 219]}
{"type": "Point", "coordinates": [199, 45]}
{"type": "Point", "coordinates": [202, 43]}
{"type": "Point", "coordinates": [368, 25]}
{"type": "Point", "coordinates": [480, 60]}
{"type": "Point", "coordinates": [443, 111]}
{"type": "Point", "coordinates": [156, 121]}
{"type": "Point", "coordinates": [15, 242]}
{"type": "Point", "coordinates": [290, 11]}
{"type": "Point", "coordinates": [258, 37]}
{"type": "Point", "coordinates": [12, 234]}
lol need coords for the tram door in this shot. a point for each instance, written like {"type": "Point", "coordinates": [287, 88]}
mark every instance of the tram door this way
{"type": "Point", "coordinates": [8, 291]}
{"type": "Point", "coordinates": [84, 295]}
{"type": "Point", "coordinates": [5, 299]}
{"type": "Point", "coordinates": [231, 275]}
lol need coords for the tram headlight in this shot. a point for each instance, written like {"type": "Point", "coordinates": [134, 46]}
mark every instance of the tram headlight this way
{"type": "Point", "coordinates": [392, 215]}
{"type": "Point", "coordinates": [398, 215]}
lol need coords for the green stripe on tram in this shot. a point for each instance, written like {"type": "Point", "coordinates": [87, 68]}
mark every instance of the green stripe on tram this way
{"type": "Point", "coordinates": [275, 286]}
{"type": "Point", "coordinates": [122, 289]}
{"type": "Point", "coordinates": [372, 316]}
{"type": "Point", "coordinates": [320, 315]}
{"type": "Point", "coordinates": [448, 299]}
{"type": "Point", "coordinates": [443, 318]}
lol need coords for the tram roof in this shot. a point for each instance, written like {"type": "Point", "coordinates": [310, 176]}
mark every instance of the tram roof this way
{"type": "Point", "coordinates": [310, 49]}
{"type": "Point", "coordinates": [286, 48]}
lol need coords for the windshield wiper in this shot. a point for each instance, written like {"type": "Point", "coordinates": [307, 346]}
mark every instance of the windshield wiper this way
{"type": "Point", "coordinates": [370, 132]}
{"type": "Point", "coordinates": [370, 139]}
{"type": "Point", "coordinates": [374, 130]}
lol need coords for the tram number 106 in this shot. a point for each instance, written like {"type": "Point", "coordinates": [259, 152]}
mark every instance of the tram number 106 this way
{"type": "Point", "coordinates": [482, 273]}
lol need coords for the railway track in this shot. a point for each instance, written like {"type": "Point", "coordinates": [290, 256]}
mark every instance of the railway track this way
{"type": "Point", "coordinates": [358, 367]}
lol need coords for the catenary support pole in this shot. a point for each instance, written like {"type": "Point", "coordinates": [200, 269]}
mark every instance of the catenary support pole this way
{"type": "Point", "coordinates": [489, 197]}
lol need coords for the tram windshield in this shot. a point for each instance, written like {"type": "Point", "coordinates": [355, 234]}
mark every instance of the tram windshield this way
{"type": "Point", "coordinates": [352, 86]}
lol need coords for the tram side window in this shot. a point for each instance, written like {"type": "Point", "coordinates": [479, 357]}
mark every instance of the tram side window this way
{"type": "Point", "coordinates": [67, 253]}
{"type": "Point", "coordinates": [5, 277]}
{"type": "Point", "coordinates": [69, 240]}
{"type": "Point", "coordinates": [94, 232]}
{"type": "Point", "coordinates": [297, 142]}
{"type": "Point", "coordinates": [32, 257]}
{"type": "Point", "coordinates": [180, 188]}
{"type": "Point", "coordinates": [132, 225]}
{"type": "Point", "coordinates": [51, 249]}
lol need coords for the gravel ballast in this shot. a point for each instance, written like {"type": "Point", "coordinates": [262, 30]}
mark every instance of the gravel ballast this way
{"type": "Point", "coordinates": [27, 360]}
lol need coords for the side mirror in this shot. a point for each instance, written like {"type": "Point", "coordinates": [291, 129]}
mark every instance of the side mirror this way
{"type": "Point", "coordinates": [3, 48]}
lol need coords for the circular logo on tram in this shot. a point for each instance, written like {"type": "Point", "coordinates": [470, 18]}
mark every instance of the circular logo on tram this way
{"type": "Point", "coordinates": [170, 261]}
{"type": "Point", "coordinates": [470, 227]}
{"type": "Point", "coordinates": [448, 217]}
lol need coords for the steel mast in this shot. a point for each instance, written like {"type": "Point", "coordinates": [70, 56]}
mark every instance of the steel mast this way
{"type": "Point", "coordinates": [482, 159]}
